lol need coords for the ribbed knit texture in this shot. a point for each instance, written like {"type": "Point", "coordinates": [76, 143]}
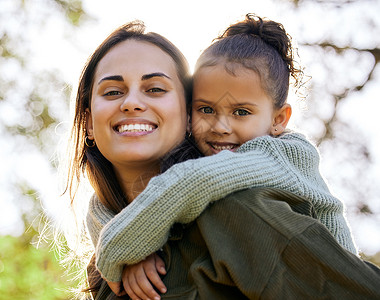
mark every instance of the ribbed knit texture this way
{"type": "Point", "coordinates": [180, 195]}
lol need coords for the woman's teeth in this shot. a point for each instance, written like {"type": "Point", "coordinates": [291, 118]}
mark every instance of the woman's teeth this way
{"type": "Point", "coordinates": [135, 128]}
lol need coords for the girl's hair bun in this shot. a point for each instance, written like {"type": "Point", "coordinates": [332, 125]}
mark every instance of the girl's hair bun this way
{"type": "Point", "coordinates": [273, 34]}
{"type": "Point", "coordinates": [251, 25]}
{"type": "Point", "coordinates": [260, 45]}
{"type": "Point", "coordinates": [270, 32]}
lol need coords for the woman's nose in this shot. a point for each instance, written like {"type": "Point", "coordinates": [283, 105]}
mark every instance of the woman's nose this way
{"type": "Point", "coordinates": [133, 102]}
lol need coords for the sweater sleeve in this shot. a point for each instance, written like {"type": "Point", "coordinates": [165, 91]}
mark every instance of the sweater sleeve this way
{"type": "Point", "coordinates": [178, 195]}
{"type": "Point", "coordinates": [97, 217]}
{"type": "Point", "coordinates": [185, 190]}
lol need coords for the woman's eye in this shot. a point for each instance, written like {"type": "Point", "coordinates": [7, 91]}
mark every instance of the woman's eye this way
{"type": "Point", "coordinates": [206, 110]}
{"type": "Point", "coordinates": [241, 112]}
{"type": "Point", "coordinates": [112, 93]}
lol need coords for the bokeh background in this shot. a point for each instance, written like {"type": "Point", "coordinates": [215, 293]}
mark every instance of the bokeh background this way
{"type": "Point", "coordinates": [45, 43]}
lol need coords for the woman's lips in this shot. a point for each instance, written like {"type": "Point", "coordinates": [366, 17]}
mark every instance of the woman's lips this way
{"type": "Point", "coordinates": [135, 127]}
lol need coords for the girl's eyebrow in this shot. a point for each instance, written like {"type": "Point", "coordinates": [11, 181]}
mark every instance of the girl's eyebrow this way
{"type": "Point", "coordinates": [243, 104]}
{"type": "Point", "coordinates": [237, 104]}
{"type": "Point", "coordinates": [205, 101]}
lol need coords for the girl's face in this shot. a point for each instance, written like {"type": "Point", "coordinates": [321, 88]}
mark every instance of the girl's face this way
{"type": "Point", "coordinates": [138, 109]}
{"type": "Point", "coordinates": [230, 110]}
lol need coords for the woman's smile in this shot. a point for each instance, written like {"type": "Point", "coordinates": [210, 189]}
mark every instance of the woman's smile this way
{"type": "Point", "coordinates": [135, 127]}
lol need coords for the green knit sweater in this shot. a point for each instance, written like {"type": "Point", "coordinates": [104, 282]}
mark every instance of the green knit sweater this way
{"type": "Point", "coordinates": [179, 195]}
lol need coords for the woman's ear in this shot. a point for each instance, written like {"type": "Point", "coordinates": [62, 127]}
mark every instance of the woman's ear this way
{"type": "Point", "coordinates": [89, 126]}
{"type": "Point", "coordinates": [281, 119]}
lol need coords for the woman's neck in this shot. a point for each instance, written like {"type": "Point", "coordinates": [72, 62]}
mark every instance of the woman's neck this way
{"type": "Point", "coordinates": [133, 180]}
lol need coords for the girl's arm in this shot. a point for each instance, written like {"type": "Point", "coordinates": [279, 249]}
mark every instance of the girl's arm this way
{"type": "Point", "coordinates": [97, 217]}
{"type": "Point", "coordinates": [185, 190]}
{"type": "Point", "coordinates": [145, 274]}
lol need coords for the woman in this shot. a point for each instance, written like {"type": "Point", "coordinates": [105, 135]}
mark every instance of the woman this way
{"type": "Point", "coordinates": [131, 113]}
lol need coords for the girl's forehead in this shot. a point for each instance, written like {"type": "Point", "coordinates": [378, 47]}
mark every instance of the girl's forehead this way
{"type": "Point", "coordinates": [238, 75]}
{"type": "Point", "coordinates": [235, 69]}
{"type": "Point", "coordinates": [218, 85]}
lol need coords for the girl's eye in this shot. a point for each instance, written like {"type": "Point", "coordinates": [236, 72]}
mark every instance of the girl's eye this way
{"type": "Point", "coordinates": [156, 90]}
{"type": "Point", "coordinates": [206, 110]}
{"type": "Point", "coordinates": [241, 112]}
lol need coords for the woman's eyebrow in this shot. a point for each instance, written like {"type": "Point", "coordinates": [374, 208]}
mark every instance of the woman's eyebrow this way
{"type": "Point", "coordinates": [113, 78]}
{"type": "Point", "coordinates": [157, 74]}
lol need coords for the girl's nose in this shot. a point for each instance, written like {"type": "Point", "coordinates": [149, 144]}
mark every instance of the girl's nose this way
{"type": "Point", "coordinates": [221, 125]}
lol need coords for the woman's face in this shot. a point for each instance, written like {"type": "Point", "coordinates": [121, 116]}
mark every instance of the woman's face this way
{"type": "Point", "coordinates": [229, 110]}
{"type": "Point", "coordinates": [138, 109]}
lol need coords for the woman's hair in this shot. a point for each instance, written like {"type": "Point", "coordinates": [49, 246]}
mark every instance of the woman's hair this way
{"type": "Point", "coordinates": [89, 159]}
{"type": "Point", "coordinates": [260, 45]}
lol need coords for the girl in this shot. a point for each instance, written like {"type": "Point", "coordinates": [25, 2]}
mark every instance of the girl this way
{"type": "Point", "coordinates": [240, 89]}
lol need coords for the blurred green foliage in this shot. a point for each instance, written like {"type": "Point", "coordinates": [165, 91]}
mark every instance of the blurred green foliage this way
{"type": "Point", "coordinates": [73, 10]}
{"type": "Point", "coordinates": [30, 264]}
{"type": "Point", "coordinates": [28, 273]}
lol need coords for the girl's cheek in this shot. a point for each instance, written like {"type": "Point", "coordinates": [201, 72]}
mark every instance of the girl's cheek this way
{"type": "Point", "coordinates": [198, 126]}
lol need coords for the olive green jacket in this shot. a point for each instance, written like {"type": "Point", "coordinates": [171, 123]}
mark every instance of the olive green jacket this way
{"type": "Point", "coordinates": [262, 243]}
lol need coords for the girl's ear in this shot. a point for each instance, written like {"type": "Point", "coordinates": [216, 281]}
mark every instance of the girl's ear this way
{"type": "Point", "coordinates": [89, 127]}
{"type": "Point", "coordinates": [281, 119]}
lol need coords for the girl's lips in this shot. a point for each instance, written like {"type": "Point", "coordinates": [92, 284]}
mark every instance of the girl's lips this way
{"type": "Point", "coordinates": [218, 146]}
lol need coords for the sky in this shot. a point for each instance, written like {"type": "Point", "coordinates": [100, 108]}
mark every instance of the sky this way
{"type": "Point", "coordinates": [191, 26]}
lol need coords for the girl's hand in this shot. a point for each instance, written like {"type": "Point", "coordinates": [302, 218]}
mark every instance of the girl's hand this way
{"type": "Point", "coordinates": [139, 278]}
{"type": "Point", "coordinates": [117, 288]}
